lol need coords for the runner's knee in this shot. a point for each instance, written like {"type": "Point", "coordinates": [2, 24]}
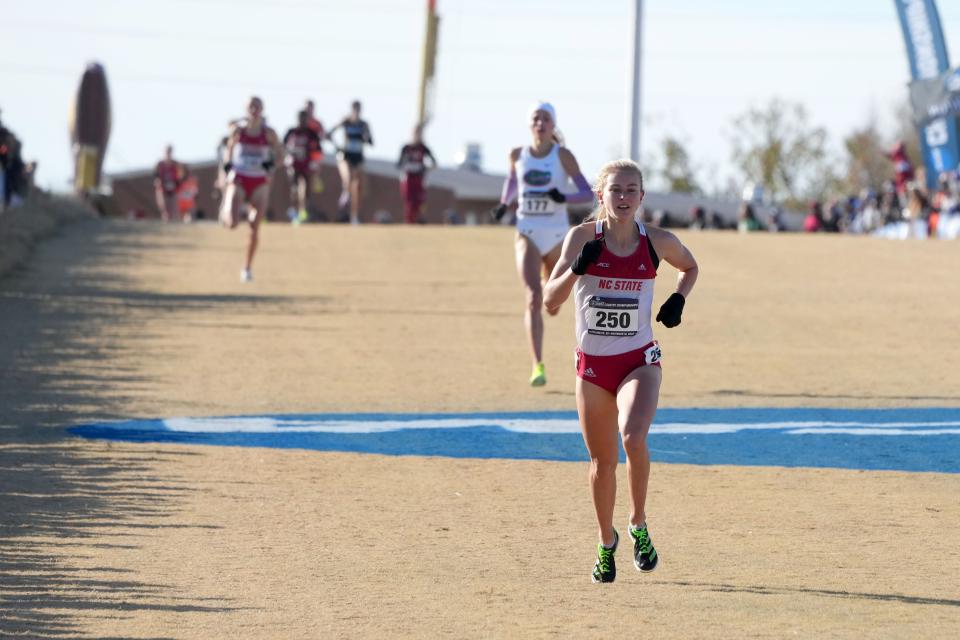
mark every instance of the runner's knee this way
{"type": "Point", "coordinates": [603, 466]}
{"type": "Point", "coordinates": [534, 299]}
{"type": "Point", "coordinates": [635, 442]}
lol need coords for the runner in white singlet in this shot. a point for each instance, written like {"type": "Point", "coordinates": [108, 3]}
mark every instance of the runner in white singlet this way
{"type": "Point", "coordinates": [610, 264]}
{"type": "Point", "coordinates": [538, 177]}
{"type": "Point", "coordinates": [540, 219]}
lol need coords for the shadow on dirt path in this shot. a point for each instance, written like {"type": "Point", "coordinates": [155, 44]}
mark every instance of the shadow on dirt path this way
{"type": "Point", "coordinates": [64, 506]}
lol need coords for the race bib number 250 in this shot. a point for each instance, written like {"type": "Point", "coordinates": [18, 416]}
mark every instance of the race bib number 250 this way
{"type": "Point", "coordinates": [613, 316]}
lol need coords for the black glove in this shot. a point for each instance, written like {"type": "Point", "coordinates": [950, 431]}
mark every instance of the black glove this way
{"type": "Point", "coordinates": [227, 166]}
{"type": "Point", "coordinates": [588, 255]}
{"type": "Point", "coordinates": [498, 212]}
{"type": "Point", "coordinates": [669, 313]}
{"type": "Point", "coordinates": [267, 165]}
{"type": "Point", "coordinates": [556, 196]}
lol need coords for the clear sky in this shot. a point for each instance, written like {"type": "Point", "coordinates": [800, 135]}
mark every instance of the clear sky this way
{"type": "Point", "coordinates": [179, 69]}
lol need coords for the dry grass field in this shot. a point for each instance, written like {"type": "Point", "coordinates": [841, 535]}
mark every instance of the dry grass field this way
{"type": "Point", "coordinates": [114, 320]}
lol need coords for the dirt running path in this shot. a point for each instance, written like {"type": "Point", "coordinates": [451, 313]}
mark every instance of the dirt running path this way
{"type": "Point", "coordinates": [116, 320]}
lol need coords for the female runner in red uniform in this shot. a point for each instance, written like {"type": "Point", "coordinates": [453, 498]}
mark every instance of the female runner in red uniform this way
{"type": "Point", "coordinates": [610, 264]}
{"type": "Point", "coordinates": [413, 161]}
{"type": "Point", "coordinates": [167, 178]}
{"type": "Point", "coordinates": [303, 147]}
{"type": "Point", "coordinates": [253, 150]}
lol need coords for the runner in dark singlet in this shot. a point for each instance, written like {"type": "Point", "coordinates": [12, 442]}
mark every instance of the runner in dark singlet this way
{"type": "Point", "coordinates": [356, 134]}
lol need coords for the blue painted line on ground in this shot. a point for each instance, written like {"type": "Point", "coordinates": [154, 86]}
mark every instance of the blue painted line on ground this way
{"type": "Point", "coordinates": [922, 439]}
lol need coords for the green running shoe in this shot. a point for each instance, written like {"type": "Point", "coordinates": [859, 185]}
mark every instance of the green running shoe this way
{"type": "Point", "coordinates": [605, 570]}
{"type": "Point", "coordinates": [645, 557]}
{"type": "Point", "coordinates": [539, 377]}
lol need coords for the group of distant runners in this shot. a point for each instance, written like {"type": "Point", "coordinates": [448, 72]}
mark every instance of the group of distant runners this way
{"type": "Point", "coordinates": [608, 263]}
{"type": "Point", "coordinates": [251, 152]}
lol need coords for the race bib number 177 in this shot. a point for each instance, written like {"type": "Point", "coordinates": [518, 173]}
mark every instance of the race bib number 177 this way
{"type": "Point", "coordinates": [535, 203]}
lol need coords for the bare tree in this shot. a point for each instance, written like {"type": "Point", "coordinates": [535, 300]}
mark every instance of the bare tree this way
{"type": "Point", "coordinates": [777, 147]}
{"type": "Point", "coordinates": [867, 162]}
{"type": "Point", "coordinates": [678, 172]}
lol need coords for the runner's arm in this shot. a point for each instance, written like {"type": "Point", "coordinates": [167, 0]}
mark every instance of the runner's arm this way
{"type": "Point", "coordinates": [279, 152]}
{"type": "Point", "coordinates": [314, 152]}
{"type": "Point", "coordinates": [228, 149]}
{"type": "Point", "coordinates": [670, 249]}
{"type": "Point", "coordinates": [510, 185]}
{"type": "Point", "coordinates": [329, 134]}
{"type": "Point", "coordinates": [560, 284]}
{"type": "Point", "coordinates": [584, 193]}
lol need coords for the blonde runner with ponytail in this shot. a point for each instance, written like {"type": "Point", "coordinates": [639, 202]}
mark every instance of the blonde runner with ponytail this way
{"type": "Point", "coordinates": [607, 170]}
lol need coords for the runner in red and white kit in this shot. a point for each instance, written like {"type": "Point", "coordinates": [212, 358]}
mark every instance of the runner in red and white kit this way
{"type": "Point", "coordinates": [413, 161]}
{"type": "Point", "coordinates": [168, 175]}
{"type": "Point", "coordinates": [302, 144]}
{"type": "Point", "coordinates": [610, 264]}
{"type": "Point", "coordinates": [252, 150]}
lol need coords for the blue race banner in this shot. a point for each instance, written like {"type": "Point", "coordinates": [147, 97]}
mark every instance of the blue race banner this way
{"type": "Point", "coordinates": [927, 52]}
{"type": "Point", "coordinates": [936, 98]}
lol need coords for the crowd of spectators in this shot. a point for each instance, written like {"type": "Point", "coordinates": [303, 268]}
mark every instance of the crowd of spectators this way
{"type": "Point", "coordinates": [750, 216]}
{"type": "Point", "coordinates": [910, 212]}
{"type": "Point", "coordinates": [902, 208]}
{"type": "Point", "coordinates": [16, 176]}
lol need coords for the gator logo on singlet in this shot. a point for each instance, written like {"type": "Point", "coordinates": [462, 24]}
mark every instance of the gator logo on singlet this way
{"type": "Point", "coordinates": [537, 178]}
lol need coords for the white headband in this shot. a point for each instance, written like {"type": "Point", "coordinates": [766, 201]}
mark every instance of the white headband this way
{"type": "Point", "coordinates": [544, 106]}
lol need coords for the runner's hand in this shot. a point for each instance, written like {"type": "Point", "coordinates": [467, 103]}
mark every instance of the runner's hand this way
{"type": "Point", "coordinates": [588, 255]}
{"type": "Point", "coordinates": [498, 212]}
{"type": "Point", "coordinates": [669, 313]}
{"type": "Point", "coordinates": [556, 196]}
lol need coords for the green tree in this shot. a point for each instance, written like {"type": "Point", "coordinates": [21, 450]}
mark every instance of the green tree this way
{"type": "Point", "coordinates": [777, 147]}
{"type": "Point", "coordinates": [678, 172]}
